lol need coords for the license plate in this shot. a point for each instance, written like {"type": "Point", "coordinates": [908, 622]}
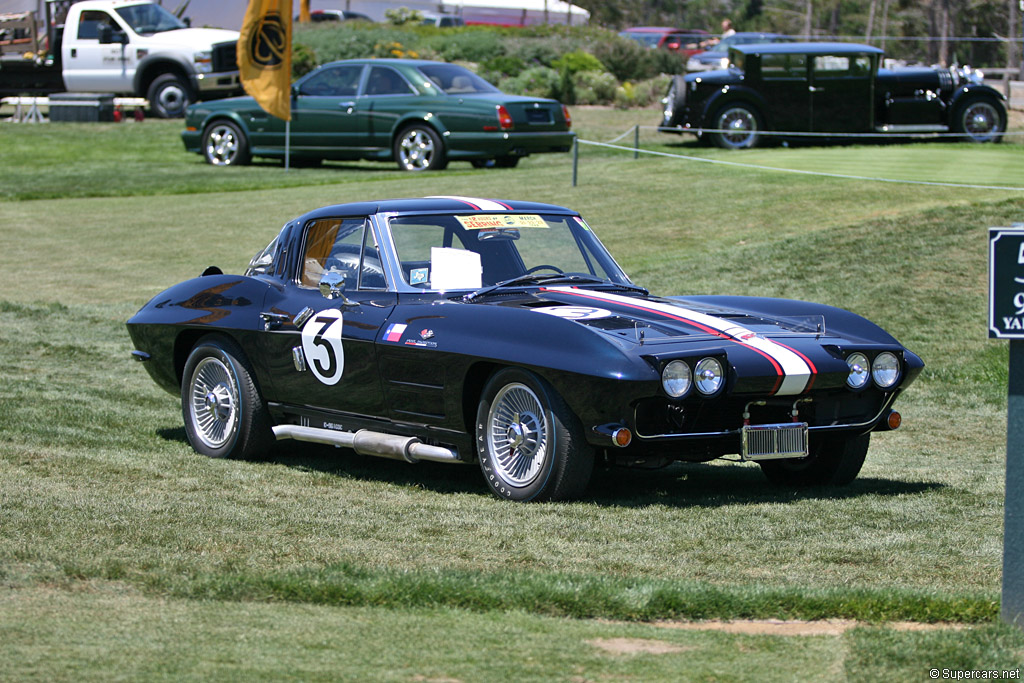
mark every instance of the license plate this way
{"type": "Point", "coordinates": [775, 441]}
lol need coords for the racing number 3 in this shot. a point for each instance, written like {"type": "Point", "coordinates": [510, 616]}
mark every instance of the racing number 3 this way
{"type": "Point", "coordinates": [321, 343]}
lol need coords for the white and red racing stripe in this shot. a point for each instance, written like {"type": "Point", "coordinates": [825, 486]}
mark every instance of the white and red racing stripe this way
{"type": "Point", "coordinates": [794, 369]}
{"type": "Point", "coordinates": [473, 202]}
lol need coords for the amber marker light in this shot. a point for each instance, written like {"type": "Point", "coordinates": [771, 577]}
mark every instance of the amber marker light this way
{"type": "Point", "coordinates": [895, 420]}
{"type": "Point", "coordinates": [191, 129]}
{"type": "Point", "coordinates": [622, 437]}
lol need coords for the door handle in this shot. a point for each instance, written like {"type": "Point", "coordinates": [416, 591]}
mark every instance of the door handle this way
{"type": "Point", "coordinates": [811, 88]}
{"type": "Point", "coordinates": [349, 106]}
{"type": "Point", "coordinates": [272, 321]}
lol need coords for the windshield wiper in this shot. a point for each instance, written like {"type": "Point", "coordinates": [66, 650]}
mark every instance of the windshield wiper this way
{"type": "Point", "coordinates": [531, 279]}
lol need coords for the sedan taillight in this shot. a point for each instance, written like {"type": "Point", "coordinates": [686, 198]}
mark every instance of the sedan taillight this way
{"type": "Point", "coordinates": [568, 119]}
{"type": "Point", "coordinates": [504, 118]}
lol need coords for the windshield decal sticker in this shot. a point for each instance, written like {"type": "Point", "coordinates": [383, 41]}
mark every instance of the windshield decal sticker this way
{"type": "Point", "coordinates": [493, 222]}
{"type": "Point", "coordinates": [575, 312]}
{"type": "Point", "coordinates": [418, 276]}
{"type": "Point", "coordinates": [321, 344]}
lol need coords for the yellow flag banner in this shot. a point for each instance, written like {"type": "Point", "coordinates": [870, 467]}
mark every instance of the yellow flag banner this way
{"type": "Point", "coordinates": [265, 55]}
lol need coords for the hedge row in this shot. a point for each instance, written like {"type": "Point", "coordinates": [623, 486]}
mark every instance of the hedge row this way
{"type": "Point", "coordinates": [576, 65]}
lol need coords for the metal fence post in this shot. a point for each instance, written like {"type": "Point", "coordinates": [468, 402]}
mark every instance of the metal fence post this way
{"type": "Point", "coordinates": [575, 159]}
{"type": "Point", "coordinates": [636, 141]}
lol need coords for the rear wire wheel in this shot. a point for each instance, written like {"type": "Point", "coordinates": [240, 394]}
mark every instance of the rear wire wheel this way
{"type": "Point", "coordinates": [530, 444]}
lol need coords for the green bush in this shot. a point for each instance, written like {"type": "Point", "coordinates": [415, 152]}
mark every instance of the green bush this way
{"type": "Point", "coordinates": [626, 59]}
{"type": "Point", "coordinates": [465, 45]}
{"type": "Point", "coordinates": [577, 61]}
{"type": "Point", "coordinates": [595, 87]}
{"type": "Point", "coordinates": [303, 60]}
{"type": "Point", "coordinates": [502, 66]}
{"type": "Point", "coordinates": [537, 81]}
{"type": "Point", "coordinates": [401, 16]}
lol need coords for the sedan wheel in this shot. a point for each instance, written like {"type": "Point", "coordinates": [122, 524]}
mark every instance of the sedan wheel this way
{"type": "Point", "coordinates": [980, 121]}
{"type": "Point", "coordinates": [224, 144]}
{"type": "Point", "coordinates": [419, 148]}
{"type": "Point", "coordinates": [740, 127]}
{"type": "Point", "coordinates": [530, 444]}
{"type": "Point", "coordinates": [223, 411]}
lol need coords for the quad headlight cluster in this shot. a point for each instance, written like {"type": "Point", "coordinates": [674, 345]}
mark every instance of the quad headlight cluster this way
{"type": "Point", "coordinates": [885, 370]}
{"type": "Point", "coordinates": [678, 378]}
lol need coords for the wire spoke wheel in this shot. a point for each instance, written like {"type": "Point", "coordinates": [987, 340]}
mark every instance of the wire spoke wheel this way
{"type": "Point", "coordinates": [518, 434]}
{"type": "Point", "coordinates": [214, 402]}
{"type": "Point", "coordinates": [980, 121]}
{"type": "Point", "coordinates": [739, 126]}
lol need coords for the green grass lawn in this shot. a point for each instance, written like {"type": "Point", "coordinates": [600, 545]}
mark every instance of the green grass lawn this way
{"type": "Point", "coordinates": [124, 554]}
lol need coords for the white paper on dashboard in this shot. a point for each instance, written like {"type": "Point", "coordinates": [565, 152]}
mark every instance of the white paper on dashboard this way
{"type": "Point", "coordinates": [454, 269]}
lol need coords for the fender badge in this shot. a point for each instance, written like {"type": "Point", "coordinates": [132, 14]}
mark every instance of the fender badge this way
{"type": "Point", "coordinates": [426, 334]}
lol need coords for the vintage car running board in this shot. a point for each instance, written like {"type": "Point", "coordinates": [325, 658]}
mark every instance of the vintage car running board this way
{"type": "Point", "coordinates": [366, 442]}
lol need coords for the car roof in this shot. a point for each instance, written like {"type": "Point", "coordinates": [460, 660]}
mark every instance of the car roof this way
{"type": "Point", "coordinates": [807, 48]}
{"type": "Point", "coordinates": [389, 60]}
{"type": "Point", "coordinates": [452, 204]}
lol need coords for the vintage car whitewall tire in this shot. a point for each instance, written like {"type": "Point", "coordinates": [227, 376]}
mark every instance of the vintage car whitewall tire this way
{"type": "Point", "coordinates": [833, 461]}
{"type": "Point", "coordinates": [979, 120]}
{"type": "Point", "coordinates": [224, 414]}
{"type": "Point", "coordinates": [529, 443]}
{"type": "Point", "coordinates": [169, 96]}
{"type": "Point", "coordinates": [742, 125]}
{"type": "Point", "coordinates": [224, 144]}
{"type": "Point", "coordinates": [420, 148]}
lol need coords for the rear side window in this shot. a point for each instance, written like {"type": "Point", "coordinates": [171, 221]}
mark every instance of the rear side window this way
{"type": "Point", "coordinates": [776, 67]}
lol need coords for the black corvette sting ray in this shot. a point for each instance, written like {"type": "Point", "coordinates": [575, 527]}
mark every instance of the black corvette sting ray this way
{"type": "Point", "coordinates": [464, 330]}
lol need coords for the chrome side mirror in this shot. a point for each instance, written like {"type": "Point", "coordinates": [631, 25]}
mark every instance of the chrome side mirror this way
{"type": "Point", "coordinates": [332, 284]}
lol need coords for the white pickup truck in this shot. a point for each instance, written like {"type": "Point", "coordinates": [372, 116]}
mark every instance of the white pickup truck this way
{"type": "Point", "coordinates": [125, 47]}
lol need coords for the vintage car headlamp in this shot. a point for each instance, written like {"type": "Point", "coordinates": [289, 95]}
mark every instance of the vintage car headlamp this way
{"type": "Point", "coordinates": [860, 370]}
{"type": "Point", "coordinates": [886, 369]}
{"type": "Point", "coordinates": [676, 379]}
{"type": "Point", "coordinates": [709, 376]}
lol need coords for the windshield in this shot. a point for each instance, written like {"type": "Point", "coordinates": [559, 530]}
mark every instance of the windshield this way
{"type": "Point", "coordinates": [455, 80]}
{"type": "Point", "coordinates": [479, 250]}
{"type": "Point", "coordinates": [148, 19]}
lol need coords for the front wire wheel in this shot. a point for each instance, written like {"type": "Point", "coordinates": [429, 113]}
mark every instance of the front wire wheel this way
{"type": "Point", "coordinates": [224, 413]}
{"type": "Point", "coordinates": [740, 127]}
{"type": "Point", "coordinates": [530, 444]}
{"type": "Point", "coordinates": [979, 120]}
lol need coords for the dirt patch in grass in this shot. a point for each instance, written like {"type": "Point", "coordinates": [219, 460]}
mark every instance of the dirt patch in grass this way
{"type": "Point", "coordinates": [635, 646]}
{"type": "Point", "coordinates": [778, 627]}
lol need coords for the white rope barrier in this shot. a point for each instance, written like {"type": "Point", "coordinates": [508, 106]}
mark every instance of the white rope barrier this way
{"type": "Point", "coordinates": [759, 167]}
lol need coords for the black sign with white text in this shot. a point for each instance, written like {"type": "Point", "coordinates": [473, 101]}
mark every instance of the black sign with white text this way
{"type": "Point", "coordinates": [1006, 283]}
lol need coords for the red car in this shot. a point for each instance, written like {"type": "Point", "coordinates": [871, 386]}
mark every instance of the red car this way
{"type": "Point", "coordinates": [686, 41]}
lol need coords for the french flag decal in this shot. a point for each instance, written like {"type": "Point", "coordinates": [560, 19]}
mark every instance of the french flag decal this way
{"type": "Point", "coordinates": [394, 332]}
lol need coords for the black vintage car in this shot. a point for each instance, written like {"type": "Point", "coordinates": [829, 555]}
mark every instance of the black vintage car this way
{"type": "Point", "coordinates": [465, 330]}
{"type": "Point", "coordinates": [828, 88]}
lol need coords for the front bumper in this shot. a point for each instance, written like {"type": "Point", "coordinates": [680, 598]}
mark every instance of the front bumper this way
{"type": "Point", "coordinates": [220, 84]}
{"type": "Point", "coordinates": [514, 143]}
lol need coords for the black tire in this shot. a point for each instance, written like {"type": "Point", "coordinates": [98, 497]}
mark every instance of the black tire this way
{"type": "Point", "coordinates": [224, 144]}
{"type": "Point", "coordinates": [224, 413]}
{"type": "Point", "coordinates": [980, 119]}
{"type": "Point", "coordinates": [834, 461]}
{"type": "Point", "coordinates": [671, 114]}
{"type": "Point", "coordinates": [530, 444]}
{"type": "Point", "coordinates": [419, 148]}
{"type": "Point", "coordinates": [742, 123]}
{"type": "Point", "coordinates": [506, 162]}
{"type": "Point", "coordinates": [169, 96]}
{"type": "Point", "coordinates": [481, 163]}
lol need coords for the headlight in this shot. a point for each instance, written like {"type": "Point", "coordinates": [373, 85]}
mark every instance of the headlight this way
{"type": "Point", "coordinates": [675, 379]}
{"type": "Point", "coordinates": [203, 62]}
{"type": "Point", "coordinates": [860, 370]}
{"type": "Point", "coordinates": [885, 369]}
{"type": "Point", "coordinates": [723, 63]}
{"type": "Point", "coordinates": [709, 376]}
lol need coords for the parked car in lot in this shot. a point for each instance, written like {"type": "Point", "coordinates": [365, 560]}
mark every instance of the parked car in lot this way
{"type": "Point", "coordinates": [685, 41]}
{"type": "Point", "coordinates": [462, 330]}
{"type": "Point", "coordinates": [717, 56]}
{"type": "Point", "coordinates": [332, 15]}
{"type": "Point", "coordinates": [418, 113]}
{"type": "Point", "coordinates": [829, 88]}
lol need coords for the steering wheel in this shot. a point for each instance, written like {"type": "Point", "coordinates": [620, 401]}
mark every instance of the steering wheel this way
{"type": "Point", "coordinates": [544, 265]}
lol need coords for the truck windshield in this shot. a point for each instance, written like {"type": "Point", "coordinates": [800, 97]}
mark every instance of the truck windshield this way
{"type": "Point", "coordinates": [148, 19]}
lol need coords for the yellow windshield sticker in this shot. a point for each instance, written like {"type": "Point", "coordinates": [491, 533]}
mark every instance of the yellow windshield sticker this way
{"type": "Point", "coordinates": [496, 221]}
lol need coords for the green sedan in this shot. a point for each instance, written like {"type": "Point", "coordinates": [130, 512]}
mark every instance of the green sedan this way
{"type": "Point", "coordinates": [418, 113]}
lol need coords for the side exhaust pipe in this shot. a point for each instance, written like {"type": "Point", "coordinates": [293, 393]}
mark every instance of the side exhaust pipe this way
{"type": "Point", "coordinates": [365, 442]}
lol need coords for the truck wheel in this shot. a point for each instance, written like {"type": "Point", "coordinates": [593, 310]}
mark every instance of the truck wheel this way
{"type": "Point", "coordinates": [169, 96]}
{"type": "Point", "coordinates": [740, 125]}
{"type": "Point", "coordinates": [979, 120]}
{"type": "Point", "coordinates": [224, 414]}
{"type": "Point", "coordinates": [224, 144]}
{"type": "Point", "coordinates": [833, 461]}
{"type": "Point", "coordinates": [419, 148]}
{"type": "Point", "coordinates": [530, 444]}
